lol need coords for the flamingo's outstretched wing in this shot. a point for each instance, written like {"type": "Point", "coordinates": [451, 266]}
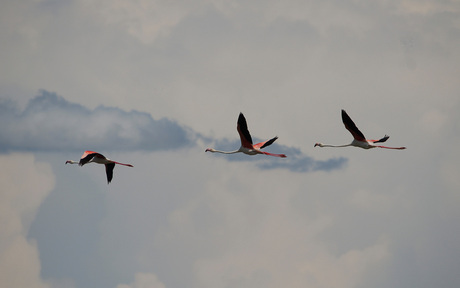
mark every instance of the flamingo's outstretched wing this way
{"type": "Point", "coordinates": [87, 156]}
{"type": "Point", "coordinates": [385, 138]}
{"type": "Point", "coordinates": [350, 125]}
{"type": "Point", "coordinates": [109, 171]}
{"type": "Point", "coordinates": [266, 143]}
{"type": "Point", "coordinates": [245, 136]}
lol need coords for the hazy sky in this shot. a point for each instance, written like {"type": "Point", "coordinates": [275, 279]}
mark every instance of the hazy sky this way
{"type": "Point", "coordinates": [155, 83]}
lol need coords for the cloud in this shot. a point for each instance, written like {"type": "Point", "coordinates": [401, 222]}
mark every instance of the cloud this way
{"type": "Point", "coordinates": [299, 162]}
{"type": "Point", "coordinates": [296, 161]}
{"type": "Point", "coordinates": [196, 220]}
{"type": "Point", "coordinates": [144, 280]}
{"type": "Point", "coordinates": [19, 202]}
{"type": "Point", "coordinates": [249, 230]}
{"type": "Point", "coordinates": [141, 19]}
{"type": "Point", "coordinates": [51, 123]}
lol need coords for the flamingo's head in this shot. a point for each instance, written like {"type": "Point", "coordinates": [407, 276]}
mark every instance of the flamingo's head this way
{"type": "Point", "coordinates": [318, 144]}
{"type": "Point", "coordinates": [209, 150]}
{"type": "Point", "coordinates": [70, 162]}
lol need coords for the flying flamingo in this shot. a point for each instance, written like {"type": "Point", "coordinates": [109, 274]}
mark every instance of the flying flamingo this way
{"type": "Point", "coordinates": [359, 139]}
{"type": "Point", "coordinates": [246, 141]}
{"type": "Point", "coordinates": [91, 156]}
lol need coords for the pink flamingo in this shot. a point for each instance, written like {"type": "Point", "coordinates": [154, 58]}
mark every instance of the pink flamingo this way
{"type": "Point", "coordinates": [359, 139]}
{"type": "Point", "coordinates": [94, 157]}
{"type": "Point", "coordinates": [246, 142]}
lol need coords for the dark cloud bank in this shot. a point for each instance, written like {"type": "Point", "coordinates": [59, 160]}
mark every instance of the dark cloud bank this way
{"type": "Point", "coordinates": [50, 123]}
{"type": "Point", "coordinates": [296, 161]}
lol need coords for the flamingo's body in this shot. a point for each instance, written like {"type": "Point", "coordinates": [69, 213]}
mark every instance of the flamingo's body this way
{"type": "Point", "coordinates": [359, 139]}
{"type": "Point", "coordinates": [246, 141]}
{"type": "Point", "coordinates": [94, 157]}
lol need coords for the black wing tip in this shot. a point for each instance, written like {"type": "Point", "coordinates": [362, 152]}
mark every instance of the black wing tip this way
{"type": "Point", "coordinates": [383, 139]}
{"type": "Point", "coordinates": [109, 171]}
{"type": "Point", "coordinates": [242, 119]}
{"type": "Point", "coordinates": [243, 128]}
{"type": "Point", "coordinates": [346, 118]}
{"type": "Point", "coordinates": [269, 142]}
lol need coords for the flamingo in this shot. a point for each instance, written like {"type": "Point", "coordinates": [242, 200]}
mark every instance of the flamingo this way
{"type": "Point", "coordinates": [359, 139]}
{"type": "Point", "coordinates": [246, 142]}
{"type": "Point", "coordinates": [91, 156]}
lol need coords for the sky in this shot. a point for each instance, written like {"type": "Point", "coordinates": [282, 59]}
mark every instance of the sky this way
{"type": "Point", "coordinates": [155, 83]}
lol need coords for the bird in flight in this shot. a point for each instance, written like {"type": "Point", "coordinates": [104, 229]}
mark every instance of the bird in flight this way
{"type": "Point", "coordinates": [94, 157]}
{"type": "Point", "coordinates": [246, 142]}
{"type": "Point", "coordinates": [359, 139]}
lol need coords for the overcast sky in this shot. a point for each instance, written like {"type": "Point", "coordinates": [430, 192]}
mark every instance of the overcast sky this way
{"type": "Point", "coordinates": [155, 83]}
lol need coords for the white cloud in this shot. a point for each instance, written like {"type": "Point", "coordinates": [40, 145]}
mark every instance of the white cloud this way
{"type": "Point", "coordinates": [145, 20]}
{"type": "Point", "coordinates": [19, 202]}
{"type": "Point", "coordinates": [427, 7]}
{"type": "Point", "coordinates": [257, 237]}
{"type": "Point", "coordinates": [371, 201]}
{"type": "Point", "coordinates": [144, 280]}
{"type": "Point", "coordinates": [432, 121]}
{"type": "Point", "coordinates": [346, 270]}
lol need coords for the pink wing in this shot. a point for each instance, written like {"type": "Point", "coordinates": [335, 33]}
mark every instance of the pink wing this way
{"type": "Point", "coordinates": [88, 155]}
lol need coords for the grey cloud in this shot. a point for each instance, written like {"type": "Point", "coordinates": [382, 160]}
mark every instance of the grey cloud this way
{"type": "Point", "coordinates": [51, 123]}
{"type": "Point", "coordinates": [296, 161]}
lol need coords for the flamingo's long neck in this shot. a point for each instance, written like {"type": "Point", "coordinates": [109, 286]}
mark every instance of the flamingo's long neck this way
{"type": "Point", "coordinates": [224, 152]}
{"type": "Point", "coordinates": [334, 146]}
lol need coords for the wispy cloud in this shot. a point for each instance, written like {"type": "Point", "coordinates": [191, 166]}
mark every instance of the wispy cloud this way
{"type": "Point", "coordinates": [299, 162]}
{"type": "Point", "coordinates": [51, 123]}
{"type": "Point", "coordinates": [296, 161]}
{"type": "Point", "coordinates": [19, 257]}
